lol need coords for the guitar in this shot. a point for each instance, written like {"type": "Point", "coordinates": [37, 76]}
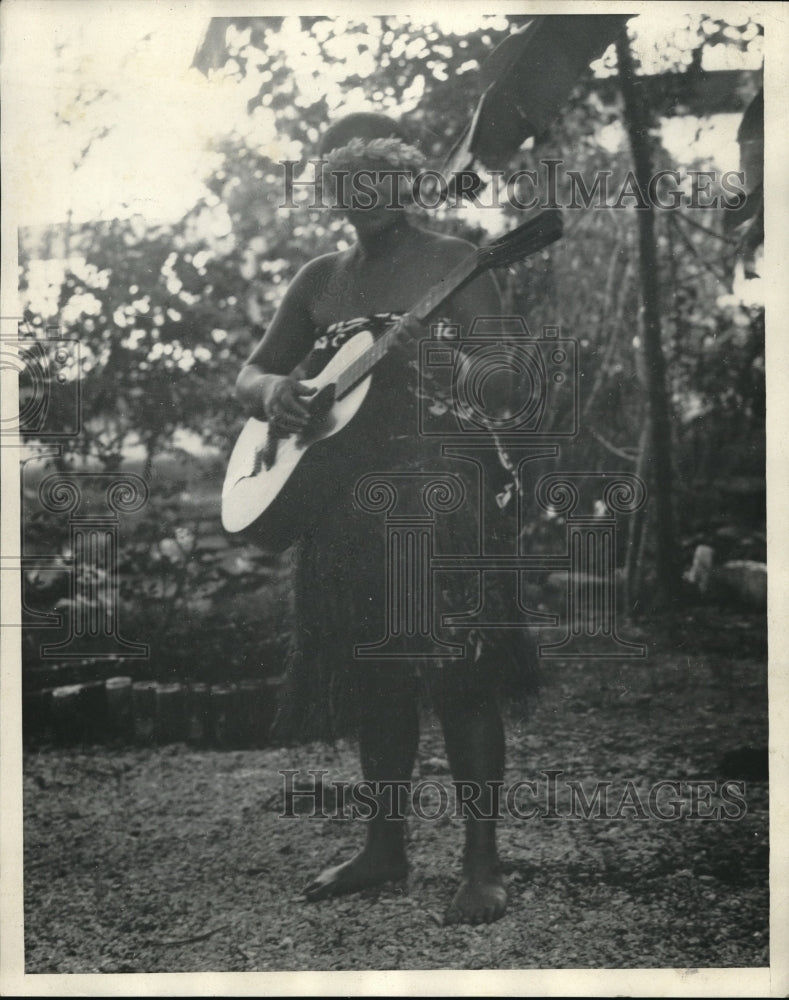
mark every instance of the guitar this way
{"type": "Point", "coordinates": [267, 486]}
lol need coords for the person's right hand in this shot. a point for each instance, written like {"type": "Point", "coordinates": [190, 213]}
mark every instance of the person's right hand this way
{"type": "Point", "coordinates": [283, 403]}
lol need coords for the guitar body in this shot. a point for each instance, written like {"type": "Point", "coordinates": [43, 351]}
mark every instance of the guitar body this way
{"type": "Point", "coordinates": [273, 506]}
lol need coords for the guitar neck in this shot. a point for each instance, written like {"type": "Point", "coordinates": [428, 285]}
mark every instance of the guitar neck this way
{"type": "Point", "coordinates": [424, 309]}
{"type": "Point", "coordinates": [526, 239]}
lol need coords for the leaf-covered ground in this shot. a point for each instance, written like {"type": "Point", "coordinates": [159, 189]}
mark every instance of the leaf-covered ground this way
{"type": "Point", "coordinates": [174, 859]}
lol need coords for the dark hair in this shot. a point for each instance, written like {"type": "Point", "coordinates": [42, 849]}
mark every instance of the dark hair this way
{"type": "Point", "coordinates": [361, 125]}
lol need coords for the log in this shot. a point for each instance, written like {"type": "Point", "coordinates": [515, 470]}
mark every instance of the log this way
{"type": "Point", "coordinates": [225, 712]}
{"type": "Point", "coordinates": [37, 717]}
{"type": "Point", "coordinates": [256, 713]}
{"type": "Point", "coordinates": [170, 726]}
{"type": "Point", "coordinates": [120, 716]}
{"type": "Point", "coordinates": [78, 713]}
{"type": "Point", "coordinates": [198, 715]}
{"type": "Point", "coordinates": [144, 711]}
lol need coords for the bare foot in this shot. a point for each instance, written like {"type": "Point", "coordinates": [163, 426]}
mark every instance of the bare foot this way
{"type": "Point", "coordinates": [481, 899]}
{"type": "Point", "coordinates": [361, 872]}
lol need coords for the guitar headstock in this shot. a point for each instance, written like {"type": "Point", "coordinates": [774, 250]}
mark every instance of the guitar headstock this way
{"type": "Point", "coordinates": [526, 239]}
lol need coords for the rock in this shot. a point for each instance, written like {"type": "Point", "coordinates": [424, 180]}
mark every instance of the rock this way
{"type": "Point", "coordinates": [700, 572]}
{"type": "Point", "coordinates": [746, 580]}
{"type": "Point", "coordinates": [743, 581]}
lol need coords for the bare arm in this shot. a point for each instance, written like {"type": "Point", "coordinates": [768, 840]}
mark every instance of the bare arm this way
{"type": "Point", "coordinates": [264, 387]}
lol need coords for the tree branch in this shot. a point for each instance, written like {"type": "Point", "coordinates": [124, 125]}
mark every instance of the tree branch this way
{"type": "Point", "coordinates": [619, 452]}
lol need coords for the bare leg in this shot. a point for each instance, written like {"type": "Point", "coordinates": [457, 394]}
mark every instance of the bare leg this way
{"type": "Point", "coordinates": [474, 737]}
{"type": "Point", "coordinates": [388, 738]}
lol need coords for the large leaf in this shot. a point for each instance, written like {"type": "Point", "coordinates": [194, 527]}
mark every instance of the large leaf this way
{"type": "Point", "coordinates": [527, 79]}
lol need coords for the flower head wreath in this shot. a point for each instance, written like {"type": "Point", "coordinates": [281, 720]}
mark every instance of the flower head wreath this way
{"type": "Point", "coordinates": [391, 151]}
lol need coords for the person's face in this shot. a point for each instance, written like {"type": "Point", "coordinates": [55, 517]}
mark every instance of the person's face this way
{"type": "Point", "coordinates": [372, 198]}
{"type": "Point", "coordinates": [373, 220]}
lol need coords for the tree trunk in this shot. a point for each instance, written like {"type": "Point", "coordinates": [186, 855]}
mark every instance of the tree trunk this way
{"type": "Point", "coordinates": [659, 435]}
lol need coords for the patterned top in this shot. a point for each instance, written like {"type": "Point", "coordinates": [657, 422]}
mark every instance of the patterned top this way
{"type": "Point", "coordinates": [431, 410]}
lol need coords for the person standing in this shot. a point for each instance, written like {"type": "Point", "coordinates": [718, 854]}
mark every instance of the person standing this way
{"type": "Point", "coordinates": [339, 576]}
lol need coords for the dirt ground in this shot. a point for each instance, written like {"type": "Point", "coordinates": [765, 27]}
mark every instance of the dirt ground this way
{"type": "Point", "coordinates": [177, 860]}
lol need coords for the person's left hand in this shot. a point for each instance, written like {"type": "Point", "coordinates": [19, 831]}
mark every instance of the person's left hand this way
{"type": "Point", "coordinates": [406, 334]}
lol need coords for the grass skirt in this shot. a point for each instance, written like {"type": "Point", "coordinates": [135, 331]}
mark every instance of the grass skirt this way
{"type": "Point", "coordinates": [342, 562]}
{"type": "Point", "coordinates": [339, 585]}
